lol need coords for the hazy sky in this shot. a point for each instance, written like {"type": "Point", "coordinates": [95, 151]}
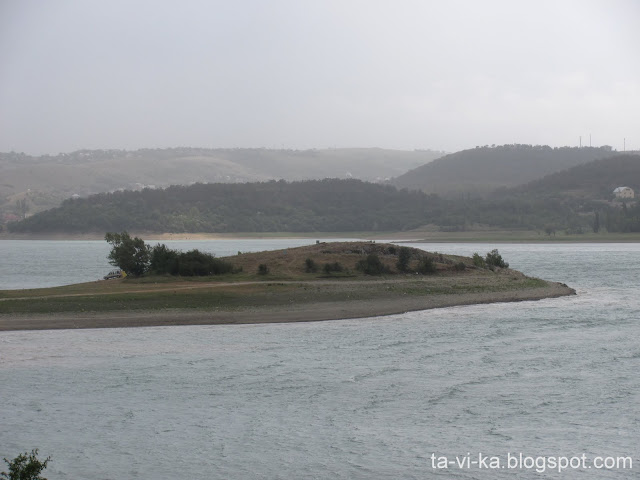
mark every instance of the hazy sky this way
{"type": "Point", "coordinates": [401, 74]}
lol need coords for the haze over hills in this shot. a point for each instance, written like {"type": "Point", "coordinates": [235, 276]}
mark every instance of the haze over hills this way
{"type": "Point", "coordinates": [51, 179]}
{"type": "Point", "coordinates": [483, 169]}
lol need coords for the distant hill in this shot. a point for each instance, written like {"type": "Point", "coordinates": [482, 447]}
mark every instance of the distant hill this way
{"type": "Point", "coordinates": [46, 180]}
{"type": "Point", "coordinates": [329, 205]}
{"type": "Point", "coordinates": [483, 169]}
{"type": "Point", "coordinates": [595, 180]}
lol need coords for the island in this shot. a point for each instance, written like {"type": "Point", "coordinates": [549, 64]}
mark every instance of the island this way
{"type": "Point", "coordinates": [325, 281]}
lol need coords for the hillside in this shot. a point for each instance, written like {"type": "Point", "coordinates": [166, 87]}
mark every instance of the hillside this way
{"type": "Point", "coordinates": [595, 180]}
{"type": "Point", "coordinates": [483, 169]}
{"type": "Point", "coordinates": [45, 181]}
{"type": "Point", "coordinates": [309, 206]}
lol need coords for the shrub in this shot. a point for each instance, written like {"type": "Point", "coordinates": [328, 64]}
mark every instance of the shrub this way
{"type": "Point", "coordinates": [332, 267]}
{"type": "Point", "coordinates": [494, 259]}
{"type": "Point", "coordinates": [372, 265]}
{"type": "Point", "coordinates": [427, 266]}
{"type": "Point", "coordinates": [404, 255]}
{"type": "Point", "coordinates": [310, 266]}
{"type": "Point", "coordinates": [25, 467]}
{"type": "Point", "coordinates": [478, 261]}
{"type": "Point", "coordinates": [163, 259]}
{"type": "Point", "coordinates": [460, 266]}
{"type": "Point", "coordinates": [263, 269]}
{"type": "Point", "coordinates": [197, 263]}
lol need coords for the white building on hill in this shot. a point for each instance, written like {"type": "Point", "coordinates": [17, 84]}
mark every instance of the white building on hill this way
{"type": "Point", "coordinates": [623, 192]}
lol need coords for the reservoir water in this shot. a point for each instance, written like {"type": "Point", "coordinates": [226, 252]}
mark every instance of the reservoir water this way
{"type": "Point", "coordinates": [377, 398]}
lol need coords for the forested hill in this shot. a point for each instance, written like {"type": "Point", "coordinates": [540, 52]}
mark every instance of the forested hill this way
{"type": "Point", "coordinates": [45, 181]}
{"type": "Point", "coordinates": [595, 180]}
{"type": "Point", "coordinates": [483, 169]}
{"type": "Point", "coordinates": [329, 205]}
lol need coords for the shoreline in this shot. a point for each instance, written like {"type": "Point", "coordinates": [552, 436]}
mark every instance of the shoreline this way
{"type": "Point", "coordinates": [303, 312]}
{"type": "Point", "coordinates": [421, 236]}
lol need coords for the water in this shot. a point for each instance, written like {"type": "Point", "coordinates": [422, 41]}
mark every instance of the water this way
{"type": "Point", "coordinates": [350, 399]}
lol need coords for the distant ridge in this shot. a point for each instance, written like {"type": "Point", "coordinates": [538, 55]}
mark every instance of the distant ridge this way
{"type": "Point", "coordinates": [44, 181]}
{"type": "Point", "coordinates": [483, 169]}
{"type": "Point", "coordinates": [596, 179]}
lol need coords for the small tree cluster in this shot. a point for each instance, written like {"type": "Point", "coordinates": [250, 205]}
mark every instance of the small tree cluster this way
{"type": "Point", "coordinates": [263, 269]}
{"type": "Point", "coordinates": [492, 259]}
{"type": "Point", "coordinates": [136, 258]}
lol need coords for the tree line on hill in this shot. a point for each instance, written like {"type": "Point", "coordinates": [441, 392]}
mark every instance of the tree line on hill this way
{"type": "Point", "coordinates": [333, 205]}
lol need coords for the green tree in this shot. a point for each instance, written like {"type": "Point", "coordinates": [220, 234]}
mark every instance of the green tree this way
{"type": "Point", "coordinates": [494, 259]}
{"type": "Point", "coordinates": [129, 254]}
{"type": "Point", "coordinates": [25, 466]}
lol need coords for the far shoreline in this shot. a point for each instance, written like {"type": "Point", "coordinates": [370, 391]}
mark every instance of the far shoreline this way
{"type": "Point", "coordinates": [414, 236]}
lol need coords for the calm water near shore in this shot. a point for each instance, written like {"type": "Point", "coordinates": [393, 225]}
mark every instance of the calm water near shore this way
{"type": "Point", "coordinates": [357, 399]}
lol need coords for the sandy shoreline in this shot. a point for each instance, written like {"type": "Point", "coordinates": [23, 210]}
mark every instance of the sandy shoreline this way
{"type": "Point", "coordinates": [305, 312]}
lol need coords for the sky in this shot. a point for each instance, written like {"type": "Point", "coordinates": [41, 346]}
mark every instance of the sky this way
{"type": "Point", "coordinates": [300, 74]}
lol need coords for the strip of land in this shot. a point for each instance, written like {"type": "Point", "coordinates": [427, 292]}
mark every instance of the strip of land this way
{"type": "Point", "coordinates": [308, 312]}
{"type": "Point", "coordinates": [289, 292]}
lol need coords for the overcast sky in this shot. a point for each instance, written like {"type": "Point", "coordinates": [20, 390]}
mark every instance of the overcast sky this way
{"type": "Point", "coordinates": [443, 75]}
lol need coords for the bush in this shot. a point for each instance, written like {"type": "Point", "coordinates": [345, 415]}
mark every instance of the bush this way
{"type": "Point", "coordinates": [404, 256]}
{"type": "Point", "coordinates": [263, 269]}
{"type": "Point", "coordinates": [372, 265]}
{"type": "Point", "coordinates": [197, 263]}
{"type": "Point", "coordinates": [478, 261]}
{"type": "Point", "coordinates": [25, 467]}
{"type": "Point", "coordinates": [427, 266]}
{"type": "Point", "coordinates": [494, 259]}
{"type": "Point", "coordinates": [460, 266]}
{"type": "Point", "coordinates": [310, 266]}
{"type": "Point", "coordinates": [332, 267]}
{"type": "Point", "coordinates": [163, 259]}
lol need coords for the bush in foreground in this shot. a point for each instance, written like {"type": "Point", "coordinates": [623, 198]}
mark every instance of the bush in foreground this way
{"type": "Point", "coordinates": [25, 466]}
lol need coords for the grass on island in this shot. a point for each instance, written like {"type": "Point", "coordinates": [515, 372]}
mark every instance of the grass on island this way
{"type": "Point", "coordinates": [287, 282]}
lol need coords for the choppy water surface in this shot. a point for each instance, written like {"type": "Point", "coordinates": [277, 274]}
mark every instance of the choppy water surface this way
{"type": "Point", "coordinates": [353, 399]}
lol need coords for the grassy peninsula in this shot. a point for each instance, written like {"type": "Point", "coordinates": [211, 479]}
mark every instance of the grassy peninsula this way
{"type": "Point", "coordinates": [320, 282]}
